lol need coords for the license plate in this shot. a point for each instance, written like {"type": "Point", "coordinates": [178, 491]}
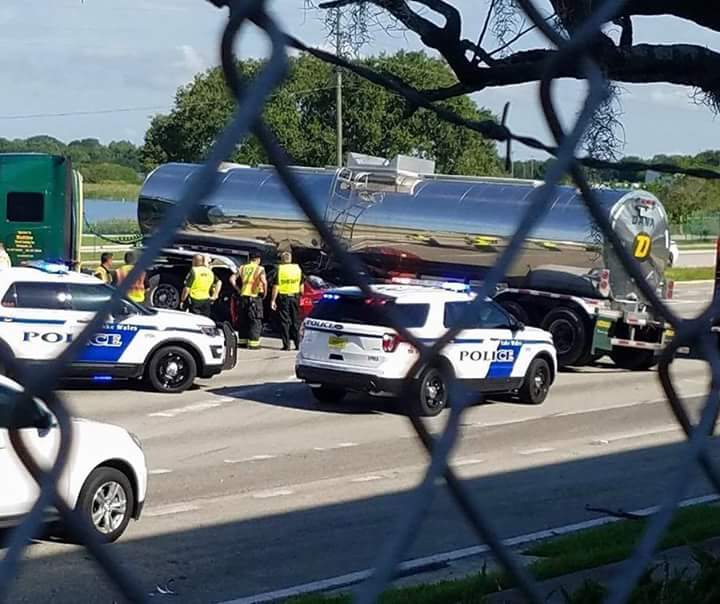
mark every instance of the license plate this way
{"type": "Point", "coordinates": [337, 342]}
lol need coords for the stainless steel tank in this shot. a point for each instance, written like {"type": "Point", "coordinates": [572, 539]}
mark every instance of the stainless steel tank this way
{"type": "Point", "coordinates": [434, 225]}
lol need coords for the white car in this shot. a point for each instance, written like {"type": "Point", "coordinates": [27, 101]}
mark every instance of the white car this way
{"type": "Point", "coordinates": [347, 345]}
{"type": "Point", "coordinates": [42, 308]}
{"type": "Point", "coordinates": [105, 477]}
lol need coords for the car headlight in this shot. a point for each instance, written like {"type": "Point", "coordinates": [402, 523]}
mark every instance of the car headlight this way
{"type": "Point", "coordinates": [212, 332]}
{"type": "Point", "coordinates": [136, 439]}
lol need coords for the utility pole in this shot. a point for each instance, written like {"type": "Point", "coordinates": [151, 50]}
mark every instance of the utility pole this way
{"type": "Point", "coordinates": [339, 97]}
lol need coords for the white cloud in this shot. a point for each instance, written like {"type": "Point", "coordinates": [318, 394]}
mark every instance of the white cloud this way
{"type": "Point", "coordinates": [192, 59]}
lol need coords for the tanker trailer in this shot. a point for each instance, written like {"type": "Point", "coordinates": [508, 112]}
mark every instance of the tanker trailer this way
{"type": "Point", "coordinates": [401, 219]}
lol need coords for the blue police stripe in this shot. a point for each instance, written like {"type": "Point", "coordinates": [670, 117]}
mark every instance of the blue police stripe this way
{"type": "Point", "coordinates": [503, 369]}
{"type": "Point", "coordinates": [107, 345]}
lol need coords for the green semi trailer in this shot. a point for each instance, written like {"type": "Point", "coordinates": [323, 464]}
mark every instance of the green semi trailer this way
{"type": "Point", "coordinates": [41, 208]}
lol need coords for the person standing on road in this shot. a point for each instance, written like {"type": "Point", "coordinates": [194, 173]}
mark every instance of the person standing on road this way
{"type": "Point", "coordinates": [137, 290]}
{"type": "Point", "coordinates": [285, 293]}
{"type": "Point", "coordinates": [105, 272]}
{"type": "Point", "coordinates": [251, 283]}
{"type": "Point", "coordinates": [201, 287]}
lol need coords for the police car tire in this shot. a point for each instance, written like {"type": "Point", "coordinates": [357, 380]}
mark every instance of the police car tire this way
{"type": "Point", "coordinates": [99, 477]}
{"type": "Point", "coordinates": [152, 370]}
{"type": "Point", "coordinates": [569, 319]}
{"type": "Point", "coordinates": [529, 392]}
{"type": "Point", "coordinates": [421, 404]}
{"type": "Point", "coordinates": [328, 394]}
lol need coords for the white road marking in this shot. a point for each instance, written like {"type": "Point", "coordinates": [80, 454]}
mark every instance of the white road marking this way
{"type": "Point", "coordinates": [458, 554]}
{"type": "Point", "coordinates": [253, 458]}
{"type": "Point", "coordinates": [638, 434]}
{"type": "Point", "coordinates": [160, 471]}
{"type": "Point", "coordinates": [193, 408]}
{"type": "Point", "coordinates": [536, 451]}
{"type": "Point", "coordinates": [366, 478]}
{"type": "Point", "coordinates": [173, 508]}
{"type": "Point", "coordinates": [466, 462]}
{"type": "Point", "coordinates": [338, 446]}
{"type": "Point", "coordinates": [272, 493]}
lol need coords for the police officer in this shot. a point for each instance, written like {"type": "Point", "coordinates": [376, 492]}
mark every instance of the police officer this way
{"type": "Point", "coordinates": [104, 272]}
{"type": "Point", "coordinates": [137, 290]}
{"type": "Point", "coordinates": [201, 287]}
{"type": "Point", "coordinates": [251, 283]}
{"type": "Point", "coordinates": [285, 292]}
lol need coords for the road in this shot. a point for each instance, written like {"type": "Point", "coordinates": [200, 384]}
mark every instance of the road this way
{"type": "Point", "coordinates": [255, 487]}
{"type": "Point", "coordinates": [704, 257]}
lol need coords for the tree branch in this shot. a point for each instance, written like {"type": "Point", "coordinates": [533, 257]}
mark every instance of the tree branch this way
{"type": "Point", "coordinates": [703, 12]}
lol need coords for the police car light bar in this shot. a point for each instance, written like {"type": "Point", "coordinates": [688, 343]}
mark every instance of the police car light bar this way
{"type": "Point", "coordinates": [448, 285]}
{"type": "Point", "coordinates": [48, 267]}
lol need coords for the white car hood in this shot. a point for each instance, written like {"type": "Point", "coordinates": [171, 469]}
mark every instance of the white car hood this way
{"type": "Point", "coordinates": [178, 318]}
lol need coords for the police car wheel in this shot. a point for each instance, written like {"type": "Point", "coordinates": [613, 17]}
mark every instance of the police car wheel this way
{"type": "Point", "coordinates": [172, 369]}
{"type": "Point", "coordinates": [537, 382]}
{"type": "Point", "coordinates": [431, 394]}
{"type": "Point", "coordinates": [328, 394]}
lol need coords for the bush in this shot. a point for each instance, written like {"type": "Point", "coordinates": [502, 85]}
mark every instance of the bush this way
{"type": "Point", "coordinates": [105, 172]}
{"type": "Point", "coordinates": [114, 226]}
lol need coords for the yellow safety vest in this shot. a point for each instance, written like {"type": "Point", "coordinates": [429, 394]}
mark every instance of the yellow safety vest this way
{"type": "Point", "coordinates": [250, 278]}
{"type": "Point", "coordinates": [202, 280]}
{"type": "Point", "coordinates": [137, 290]}
{"type": "Point", "coordinates": [289, 278]}
{"type": "Point", "coordinates": [103, 274]}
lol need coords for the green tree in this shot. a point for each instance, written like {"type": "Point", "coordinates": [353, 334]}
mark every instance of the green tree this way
{"type": "Point", "coordinates": [302, 114]}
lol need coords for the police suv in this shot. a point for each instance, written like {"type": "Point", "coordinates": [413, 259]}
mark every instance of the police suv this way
{"type": "Point", "coordinates": [44, 306]}
{"type": "Point", "coordinates": [349, 345]}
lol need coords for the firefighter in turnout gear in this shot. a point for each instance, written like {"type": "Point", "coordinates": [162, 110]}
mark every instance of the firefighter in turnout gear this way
{"type": "Point", "coordinates": [251, 283]}
{"type": "Point", "coordinates": [202, 287]}
{"type": "Point", "coordinates": [137, 290]}
{"type": "Point", "coordinates": [285, 293]}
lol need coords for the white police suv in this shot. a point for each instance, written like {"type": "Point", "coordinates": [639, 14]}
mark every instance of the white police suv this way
{"type": "Point", "coordinates": [43, 307]}
{"type": "Point", "coordinates": [348, 345]}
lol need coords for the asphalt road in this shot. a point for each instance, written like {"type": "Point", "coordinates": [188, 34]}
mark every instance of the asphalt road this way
{"type": "Point", "coordinates": [255, 487]}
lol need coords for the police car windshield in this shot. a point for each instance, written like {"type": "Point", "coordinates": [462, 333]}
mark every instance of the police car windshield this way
{"type": "Point", "coordinates": [356, 309]}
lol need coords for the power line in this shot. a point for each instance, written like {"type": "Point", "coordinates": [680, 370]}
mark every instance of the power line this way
{"type": "Point", "coordinates": [78, 113]}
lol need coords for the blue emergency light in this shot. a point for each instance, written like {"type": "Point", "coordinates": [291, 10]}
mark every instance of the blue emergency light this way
{"type": "Point", "coordinates": [56, 268]}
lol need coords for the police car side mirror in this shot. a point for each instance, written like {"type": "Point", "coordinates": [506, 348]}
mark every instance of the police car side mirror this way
{"type": "Point", "coordinates": [517, 325]}
{"type": "Point", "coordinates": [122, 309]}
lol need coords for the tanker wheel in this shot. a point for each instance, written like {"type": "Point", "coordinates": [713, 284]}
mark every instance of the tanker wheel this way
{"type": "Point", "coordinates": [516, 310]}
{"type": "Point", "coordinates": [570, 335]}
{"type": "Point", "coordinates": [633, 359]}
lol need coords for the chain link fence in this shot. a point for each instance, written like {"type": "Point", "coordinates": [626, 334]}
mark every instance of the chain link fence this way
{"type": "Point", "coordinates": [247, 119]}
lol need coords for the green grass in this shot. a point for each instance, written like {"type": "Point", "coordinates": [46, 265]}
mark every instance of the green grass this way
{"type": "Point", "coordinates": [691, 273]}
{"type": "Point", "coordinates": [696, 243]}
{"type": "Point", "coordinates": [558, 556]}
{"type": "Point", "coordinates": [111, 190]}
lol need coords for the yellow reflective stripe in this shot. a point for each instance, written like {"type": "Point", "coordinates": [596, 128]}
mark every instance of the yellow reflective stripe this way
{"type": "Point", "coordinates": [248, 275]}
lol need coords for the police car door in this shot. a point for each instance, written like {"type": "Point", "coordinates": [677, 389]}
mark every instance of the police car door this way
{"type": "Point", "coordinates": [34, 319]}
{"type": "Point", "coordinates": [484, 350]}
{"type": "Point", "coordinates": [108, 344]}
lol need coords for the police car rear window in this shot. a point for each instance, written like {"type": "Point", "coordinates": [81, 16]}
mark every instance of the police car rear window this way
{"type": "Point", "coordinates": [351, 309]}
{"type": "Point", "coordinates": [486, 316]}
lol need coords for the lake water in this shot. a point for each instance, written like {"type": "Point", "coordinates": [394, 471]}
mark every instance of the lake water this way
{"type": "Point", "coordinates": [98, 210]}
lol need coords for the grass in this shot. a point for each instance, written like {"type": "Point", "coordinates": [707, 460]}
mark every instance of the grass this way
{"type": "Point", "coordinates": [558, 556]}
{"type": "Point", "coordinates": [696, 243]}
{"type": "Point", "coordinates": [691, 273]}
{"type": "Point", "coordinates": [122, 191]}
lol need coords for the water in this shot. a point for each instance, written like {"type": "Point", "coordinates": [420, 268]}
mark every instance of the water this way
{"type": "Point", "coordinates": [98, 210]}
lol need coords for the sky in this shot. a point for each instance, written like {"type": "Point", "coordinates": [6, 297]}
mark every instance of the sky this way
{"type": "Point", "coordinates": [101, 68]}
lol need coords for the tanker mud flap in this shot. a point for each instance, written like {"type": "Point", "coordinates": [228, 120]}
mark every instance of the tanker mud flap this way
{"type": "Point", "coordinates": [231, 345]}
{"type": "Point", "coordinates": [601, 342]}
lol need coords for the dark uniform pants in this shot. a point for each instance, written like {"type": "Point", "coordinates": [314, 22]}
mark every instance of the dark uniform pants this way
{"type": "Point", "coordinates": [251, 316]}
{"type": "Point", "coordinates": [201, 307]}
{"type": "Point", "coordinates": [289, 316]}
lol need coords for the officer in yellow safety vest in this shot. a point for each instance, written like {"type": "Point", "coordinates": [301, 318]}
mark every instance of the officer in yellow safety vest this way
{"type": "Point", "coordinates": [251, 283]}
{"type": "Point", "coordinates": [137, 290]}
{"type": "Point", "coordinates": [201, 287]}
{"type": "Point", "coordinates": [285, 293]}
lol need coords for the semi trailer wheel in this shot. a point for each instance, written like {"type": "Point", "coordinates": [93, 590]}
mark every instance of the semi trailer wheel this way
{"type": "Point", "coordinates": [633, 359]}
{"type": "Point", "coordinates": [570, 335]}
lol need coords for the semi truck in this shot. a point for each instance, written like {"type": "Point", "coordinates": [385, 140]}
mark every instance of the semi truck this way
{"type": "Point", "coordinates": [404, 221]}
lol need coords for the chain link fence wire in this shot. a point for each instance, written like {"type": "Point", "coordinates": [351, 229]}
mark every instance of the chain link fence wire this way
{"type": "Point", "coordinates": [250, 97]}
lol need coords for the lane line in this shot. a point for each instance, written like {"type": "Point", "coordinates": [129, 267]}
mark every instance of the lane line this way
{"type": "Point", "coordinates": [192, 408]}
{"type": "Point", "coordinates": [418, 564]}
{"type": "Point", "coordinates": [272, 493]}
{"type": "Point", "coordinates": [173, 508]}
{"type": "Point", "coordinates": [366, 478]}
{"type": "Point", "coordinates": [536, 451]}
{"type": "Point", "coordinates": [159, 471]}
{"type": "Point", "coordinates": [638, 434]}
{"type": "Point", "coordinates": [250, 459]}
{"type": "Point", "coordinates": [333, 447]}
{"type": "Point", "coordinates": [466, 462]}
